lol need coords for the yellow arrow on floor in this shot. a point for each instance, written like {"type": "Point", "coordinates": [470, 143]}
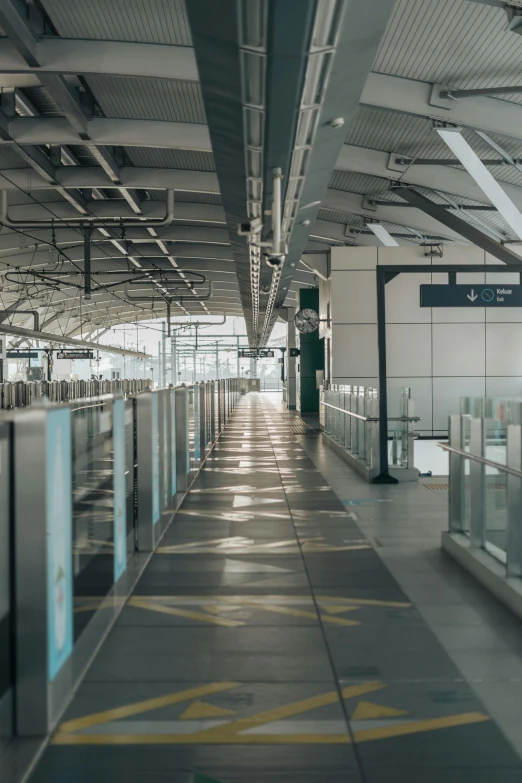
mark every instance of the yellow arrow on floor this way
{"type": "Point", "coordinates": [199, 709]}
{"type": "Point", "coordinates": [338, 609]}
{"type": "Point", "coordinates": [365, 710]}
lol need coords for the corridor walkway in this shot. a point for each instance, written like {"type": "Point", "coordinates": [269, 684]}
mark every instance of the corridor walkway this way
{"type": "Point", "coordinates": [267, 642]}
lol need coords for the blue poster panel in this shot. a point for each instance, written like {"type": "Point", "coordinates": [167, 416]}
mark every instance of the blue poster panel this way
{"type": "Point", "coordinates": [173, 485]}
{"type": "Point", "coordinates": [120, 495]}
{"type": "Point", "coordinates": [155, 460]}
{"type": "Point", "coordinates": [165, 450]}
{"type": "Point", "coordinates": [197, 449]}
{"type": "Point", "coordinates": [59, 540]}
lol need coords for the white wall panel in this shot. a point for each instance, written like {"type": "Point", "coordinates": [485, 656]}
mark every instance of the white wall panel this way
{"type": "Point", "coordinates": [504, 349]}
{"type": "Point", "coordinates": [458, 349]}
{"type": "Point", "coordinates": [353, 258]}
{"type": "Point", "coordinates": [408, 349]}
{"type": "Point", "coordinates": [354, 350]}
{"type": "Point", "coordinates": [354, 298]}
{"type": "Point", "coordinates": [442, 354]}
{"type": "Point", "coordinates": [447, 393]}
{"type": "Point", "coordinates": [504, 387]}
{"type": "Point", "coordinates": [403, 300]}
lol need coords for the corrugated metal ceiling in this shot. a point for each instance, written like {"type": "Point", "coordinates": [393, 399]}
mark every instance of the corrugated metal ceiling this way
{"type": "Point", "coordinates": [171, 159]}
{"type": "Point", "coordinates": [16, 197]}
{"type": "Point", "coordinates": [150, 21]}
{"type": "Point", "coordinates": [188, 196]}
{"type": "Point", "coordinates": [148, 99]}
{"type": "Point", "coordinates": [393, 132]}
{"type": "Point", "coordinates": [454, 42]}
{"type": "Point", "coordinates": [9, 159]}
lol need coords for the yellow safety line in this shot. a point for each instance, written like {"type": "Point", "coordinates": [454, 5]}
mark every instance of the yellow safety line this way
{"type": "Point", "coordinates": [142, 603]}
{"type": "Point", "coordinates": [431, 724]}
{"type": "Point", "coordinates": [195, 739]}
{"type": "Point", "coordinates": [300, 613]}
{"type": "Point", "coordinates": [364, 601]}
{"type": "Point", "coordinates": [144, 706]}
{"type": "Point", "coordinates": [278, 713]}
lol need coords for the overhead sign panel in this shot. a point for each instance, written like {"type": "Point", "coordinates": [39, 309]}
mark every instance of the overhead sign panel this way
{"type": "Point", "coordinates": [471, 295]}
{"type": "Point", "coordinates": [253, 353]}
{"type": "Point", "coordinates": [75, 354]}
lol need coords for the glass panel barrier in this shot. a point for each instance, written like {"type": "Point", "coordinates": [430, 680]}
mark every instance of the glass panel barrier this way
{"type": "Point", "coordinates": [92, 481]}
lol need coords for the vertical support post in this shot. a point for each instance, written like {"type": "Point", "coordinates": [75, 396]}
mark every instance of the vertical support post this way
{"type": "Point", "coordinates": [163, 355]}
{"type": "Point", "coordinates": [219, 410]}
{"type": "Point", "coordinates": [159, 363]}
{"type": "Point", "coordinates": [477, 481]}
{"type": "Point", "coordinates": [456, 476]}
{"type": "Point", "coordinates": [384, 473]}
{"type": "Point", "coordinates": [212, 411]}
{"type": "Point", "coordinates": [182, 438]}
{"type": "Point", "coordinates": [201, 390]}
{"type": "Point", "coordinates": [217, 360]}
{"type": "Point", "coordinates": [237, 358]}
{"type": "Point", "coordinates": [147, 441]}
{"type": "Point", "coordinates": [514, 502]}
{"type": "Point", "coordinates": [43, 562]}
{"type": "Point", "coordinates": [87, 231]}
{"type": "Point", "coordinates": [173, 361]}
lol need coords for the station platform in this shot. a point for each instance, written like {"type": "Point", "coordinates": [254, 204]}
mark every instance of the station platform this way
{"type": "Point", "coordinates": [298, 624]}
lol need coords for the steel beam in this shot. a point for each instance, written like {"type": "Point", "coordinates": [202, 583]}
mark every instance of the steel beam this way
{"type": "Point", "coordinates": [466, 230]}
{"type": "Point", "coordinates": [114, 58]}
{"type": "Point", "coordinates": [57, 338]}
{"type": "Point", "coordinates": [112, 132]}
{"type": "Point", "coordinates": [422, 99]}
{"type": "Point", "coordinates": [95, 177]}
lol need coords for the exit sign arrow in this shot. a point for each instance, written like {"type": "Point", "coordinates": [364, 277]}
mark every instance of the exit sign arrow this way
{"type": "Point", "coordinates": [503, 295]}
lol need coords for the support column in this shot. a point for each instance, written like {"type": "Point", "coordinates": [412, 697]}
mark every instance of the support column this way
{"type": "Point", "coordinates": [290, 360]}
{"type": "Point", "coordinates": [311, 358]}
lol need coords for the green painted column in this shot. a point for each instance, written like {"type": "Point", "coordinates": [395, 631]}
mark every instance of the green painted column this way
{"type": "Point", "coordinates": [310, 359]}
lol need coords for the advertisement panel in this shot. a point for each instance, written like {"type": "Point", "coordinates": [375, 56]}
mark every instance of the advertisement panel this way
{"type": "Point", "coordinates": [59, 540]}
{"type": "Point", "coordinates": [155, 460]}
{"type": "Point", "coordinates": [120, 498]}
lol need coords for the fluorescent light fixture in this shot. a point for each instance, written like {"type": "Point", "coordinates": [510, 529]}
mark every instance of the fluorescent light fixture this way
{"type": "Point", "coordinates": [163, 247]}
{"type": "Point", "coordinates": [381, 233]}
{"type": "Point", "coordinates": [120, 247]}
{"type": "Point", "coordinates": [253, 81]}
{"type": "Point", "coordinates": [486, 182]}
{"type": "Point", "coordinates": [173, 261]}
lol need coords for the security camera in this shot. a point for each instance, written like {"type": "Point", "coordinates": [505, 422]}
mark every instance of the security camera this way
{"type": "Point", "coordinates": [274, 262]}
{"type": "Point", "coordinates": [253, 226]}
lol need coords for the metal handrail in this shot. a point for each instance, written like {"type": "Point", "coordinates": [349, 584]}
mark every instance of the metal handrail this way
{"type": "Point", "coordinates": [369, 418]}
{"type": "Point", "coordinates": [482, 460]}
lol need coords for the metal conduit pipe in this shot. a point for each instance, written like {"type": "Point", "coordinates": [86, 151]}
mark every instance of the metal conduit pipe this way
{"type": "Point", "coordinates": [89, 220]}
{"type": "Point", "coordinates": [34, 313]}
{"type": "Point", "coordinates": [172, 298]}
{"type": "Point", "coordinates": [57, 339]}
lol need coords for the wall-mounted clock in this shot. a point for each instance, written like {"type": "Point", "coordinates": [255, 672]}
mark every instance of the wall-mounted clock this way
{"type": "Point", "coordinates": [307, 320]}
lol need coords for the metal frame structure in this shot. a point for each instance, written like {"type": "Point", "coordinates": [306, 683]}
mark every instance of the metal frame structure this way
{"type": "Point", "coordinates": [384, 274]}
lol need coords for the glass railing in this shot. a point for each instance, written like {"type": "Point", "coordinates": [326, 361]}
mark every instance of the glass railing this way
{"type": "Point", "coordinates": [485, 485]}
{"type": "Point", "coordinates": [96, 482]}
{"type": "Point", "coordinates": [349, 416]}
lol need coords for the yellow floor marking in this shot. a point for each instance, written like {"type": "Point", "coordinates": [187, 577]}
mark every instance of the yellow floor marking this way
{"type": "Point", "coordinates": [89, 608]}
{"type": "Point", "coordinates": [338, 609]}
{"type": "Point", "coordinates": [300, 613]}
{"type": "Point", "coordinates": [195, 739]}
{"type": "Point", "coordinates": [199, 709]}
{"type": "Point", "coordinates": [234, 728]}
{"type": "Point", "coordinates": [142, 603]}
{"type": "Point", "coordinates": [366, 710]}
{"type": "Point", "coordinates": [145, 706]}
{"type": "Point", "coordinates": [415, 727]}
{"type": "Point", "coordinates": [364, 601]}
{"type": "Point", "coordinates": [218, 609]}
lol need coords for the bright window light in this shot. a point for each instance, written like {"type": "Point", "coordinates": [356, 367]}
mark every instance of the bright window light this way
{"type": "Point", "coordinates": [381, 233]}
{"type": "Point", "coordinates": [486, 182]}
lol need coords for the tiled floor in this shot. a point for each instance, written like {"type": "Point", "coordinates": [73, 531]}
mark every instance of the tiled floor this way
{"type": "Point", "coordinates": [290, 629]}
